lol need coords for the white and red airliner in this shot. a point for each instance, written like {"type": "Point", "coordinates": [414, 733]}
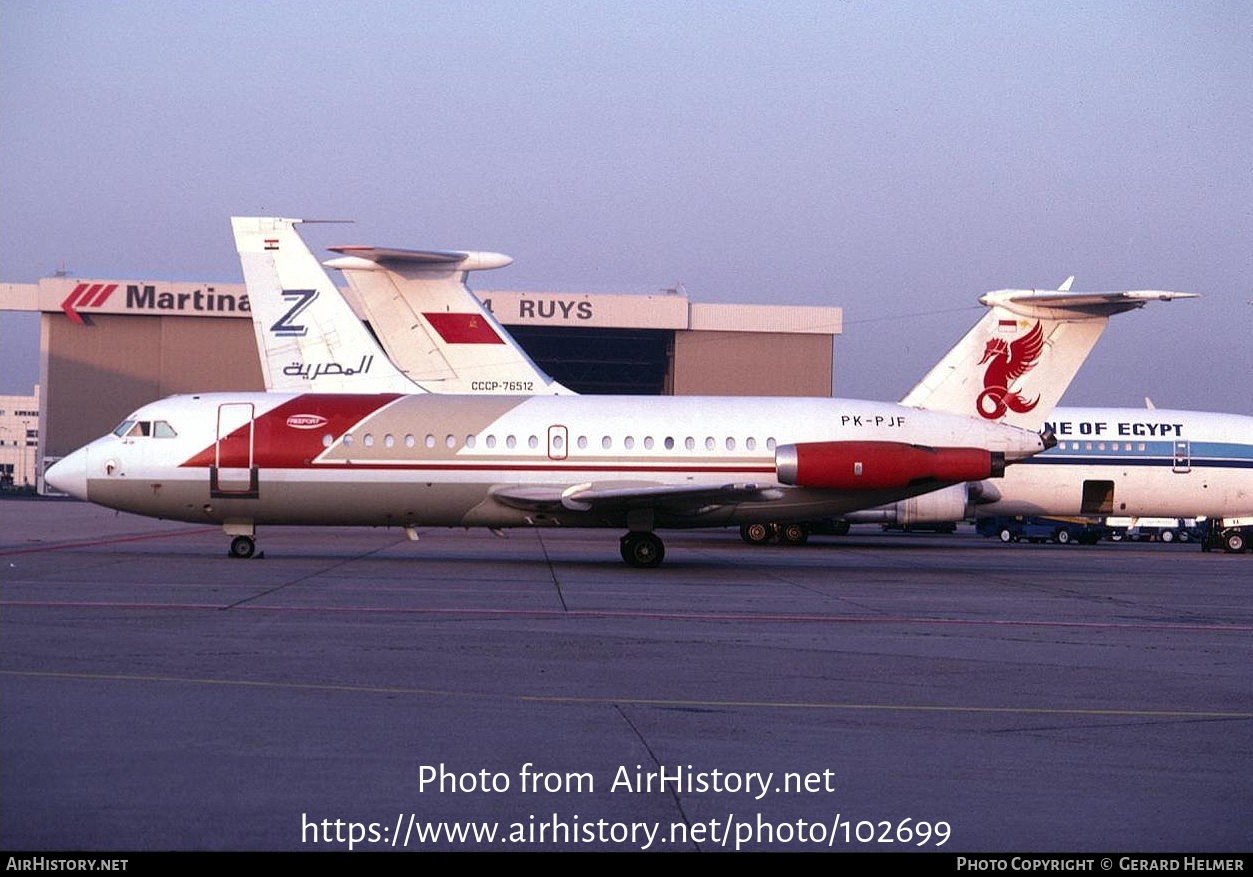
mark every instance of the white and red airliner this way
{"type": "Point", "coordinates": [410, 458]}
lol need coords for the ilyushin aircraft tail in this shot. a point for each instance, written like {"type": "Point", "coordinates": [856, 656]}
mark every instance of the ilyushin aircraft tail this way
{"type": "Point", "coordinates": [1017, 361]}
{"type": "Point", "coordinates": [433, 327]}
{"type": "Point", "coordinates": [308, 337]}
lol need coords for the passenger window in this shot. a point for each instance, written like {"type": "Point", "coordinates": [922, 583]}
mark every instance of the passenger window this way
{"type": "Point", "coordinates": [450, 441]}
{"type": "Point", "coordinates": [629, 442]}
{"type": "Point", "coordinates": [606, 443]}
{"type": "Point", "coordinates": [389, 440]}
{"type": "Point", "coordinates": [410, 441]}
{"type": "Point", "coordinates": [582, 442]}
{"type": "Point", "coordinates": [368, 441]}
{"type": "Point", "coordinates": [327, 440]}
{"type": "Point", "coordinates": [511, 442]}
{"type": "Point", "coordinates": [750, 443]}
{"type": "Point", "coordinates": [471, 441]}
{"type": "Point", "coordinates": [532, 442]}
{"type": "Point", "coordinates": [491, 441]}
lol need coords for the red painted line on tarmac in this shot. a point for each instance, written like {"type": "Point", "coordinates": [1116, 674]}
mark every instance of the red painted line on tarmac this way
{"type": "Point", "coordinates": [654, 616]}
{"type": "Point", "coordinates": [91, 543]}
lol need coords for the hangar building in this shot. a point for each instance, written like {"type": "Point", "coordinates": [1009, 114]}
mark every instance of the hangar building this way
{"type": "Point", "coordinates": [109, 346]}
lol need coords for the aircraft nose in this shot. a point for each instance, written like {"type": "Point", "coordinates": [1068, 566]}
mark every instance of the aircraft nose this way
{"type": "Point", "coordinates": [69, 474]}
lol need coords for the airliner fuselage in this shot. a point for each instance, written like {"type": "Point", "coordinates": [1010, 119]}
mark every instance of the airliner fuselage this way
{"type": "Point", "coordinates": [414, 460]}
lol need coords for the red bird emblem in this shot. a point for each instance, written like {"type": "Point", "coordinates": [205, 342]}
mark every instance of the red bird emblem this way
{"type": "Point", "coordinates": [1008, 363]}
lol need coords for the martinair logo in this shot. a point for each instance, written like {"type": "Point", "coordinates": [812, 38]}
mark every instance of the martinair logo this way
{"type": "Point", "coordinates": [306, 421]}
{"type": "Point", "coordinates": [1006, 364]}
{"type": "Point", "coordinates": [86, 295]}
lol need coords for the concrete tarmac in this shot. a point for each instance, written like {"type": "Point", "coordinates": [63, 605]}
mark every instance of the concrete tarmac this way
{"type": "Point", "coordinates": [874, 692]}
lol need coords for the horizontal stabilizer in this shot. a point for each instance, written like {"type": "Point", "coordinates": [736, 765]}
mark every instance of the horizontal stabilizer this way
{"type": "Point", "coordinates": [442, 259]}
{"type": "Point", "coordinates": [1036, 303]}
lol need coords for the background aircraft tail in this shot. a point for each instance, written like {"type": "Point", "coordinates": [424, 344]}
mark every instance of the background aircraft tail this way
{"type": "Point", "coordinates": [433, 327]}
{"type": "Point", "coordinates": [1017, 361]}
{"type": "Point", "coordinates": [308, 337]}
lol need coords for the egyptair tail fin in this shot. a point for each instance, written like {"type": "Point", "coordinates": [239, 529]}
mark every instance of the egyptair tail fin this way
{"type": "Point", "coordinates": [433, 327]}
{"type": "Point", "coordinates": [1017, 361]}
{"type": "Point", "coordinates": [308, 337]}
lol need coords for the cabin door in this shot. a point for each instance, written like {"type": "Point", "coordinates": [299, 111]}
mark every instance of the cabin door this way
{"type": "Point", "coordinates": [234, 470]}
{"type": "Point", "coordinates": [1183, 456]}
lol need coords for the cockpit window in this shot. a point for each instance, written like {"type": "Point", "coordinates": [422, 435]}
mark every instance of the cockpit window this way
{"type": "Point", "coordinates": [144, 429]}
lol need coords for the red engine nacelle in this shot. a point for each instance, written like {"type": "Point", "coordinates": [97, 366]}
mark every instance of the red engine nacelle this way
{"type": "Point", "coordinates": [882, 465]}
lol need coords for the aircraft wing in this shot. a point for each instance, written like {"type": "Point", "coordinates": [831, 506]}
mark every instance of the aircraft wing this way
{"type": "Point", "coordinates": [668, 497]}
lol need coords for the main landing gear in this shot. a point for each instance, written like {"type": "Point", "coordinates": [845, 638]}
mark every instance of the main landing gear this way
{"type": "Point", "coordinates": [243, 547]}
{"type": "Point", "coordinates": [642, 549]}
{"type": "Point", "coordinates": [787, 534]}
{"type": "Point", "coordinates": [243, 539]}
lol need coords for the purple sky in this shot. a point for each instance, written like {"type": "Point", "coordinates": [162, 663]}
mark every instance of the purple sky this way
{"type": "Point", "coordinates": [895, 159]}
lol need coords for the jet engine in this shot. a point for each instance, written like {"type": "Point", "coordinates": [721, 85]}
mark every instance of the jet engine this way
{"type": "Point", "coordinates": [953, 503]}
{"type": "Point", "coordinates": [882, 465]}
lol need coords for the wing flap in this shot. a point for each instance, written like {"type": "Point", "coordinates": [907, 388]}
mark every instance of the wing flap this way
{"type": "Point", "coordinates": [668, 497]}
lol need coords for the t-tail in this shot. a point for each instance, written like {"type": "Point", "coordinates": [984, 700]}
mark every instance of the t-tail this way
{"type": "Point", "coordinates": [433, 327]}
{"type": "Point", "coordinates": [309, 338]}
{"type": "Point", "coordinates": [1017, 361]}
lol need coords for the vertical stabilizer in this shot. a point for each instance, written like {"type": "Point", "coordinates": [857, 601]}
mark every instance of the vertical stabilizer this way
{"type": "Point", "coordinates": [308, 337]}
{"type": "Point", "coordinates": [1017, 361]}
{"type": "Point", "coordinates": [433, 327]}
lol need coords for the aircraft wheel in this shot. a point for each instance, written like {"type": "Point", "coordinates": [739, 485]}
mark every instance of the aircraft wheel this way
{"type": "Point", "coordinates": [1184, 537]}
{"type": "Point", "coordinates": [1062, 537]}
{"type": "Point", "coordinates": [243, 547]}
{"type": "Point", "coordinates": [642, 550]}
{"type": "Point", "coordinates": [794, 534]}
{"type": "Point", "coordinates": [756, 533]}
{"type": "Point", "coordinates": [1005, 535]}
{"type": "Point", "coordinates": [1234, 542]}
{"type": "Point", "coordinates": [1168, 536]}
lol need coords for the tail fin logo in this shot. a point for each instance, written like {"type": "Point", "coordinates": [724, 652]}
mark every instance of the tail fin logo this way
{"type": "Point", "coordinates": [1006, 364]}
{"type": "Point", "coordinates": [283, 326]}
